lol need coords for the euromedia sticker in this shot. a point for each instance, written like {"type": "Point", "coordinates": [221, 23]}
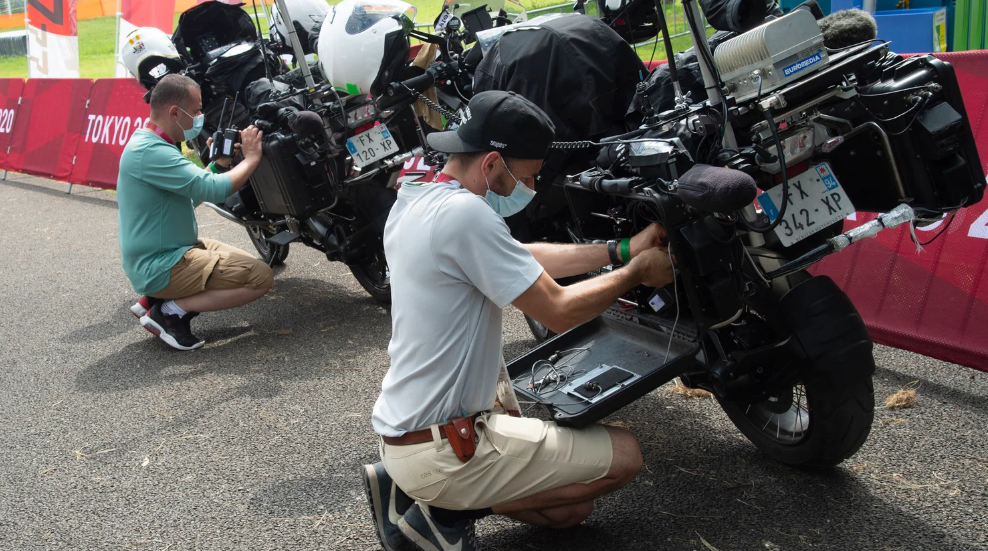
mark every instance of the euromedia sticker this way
{"type": "Point", "coordinates": [802, 64]}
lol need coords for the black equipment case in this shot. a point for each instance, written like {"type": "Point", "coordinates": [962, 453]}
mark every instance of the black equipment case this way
{"type": "Point", "coordinates": [289, 181]}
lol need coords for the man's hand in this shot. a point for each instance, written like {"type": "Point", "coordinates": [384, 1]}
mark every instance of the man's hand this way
{"type": "Point", "coordinates": [652, 236]}
{"type": "Point", "coordinates": [653, 266]}
{"type": "Point", "coordinates": [250, 144]}
{"type": "Point", "coordinates": [223, 161]}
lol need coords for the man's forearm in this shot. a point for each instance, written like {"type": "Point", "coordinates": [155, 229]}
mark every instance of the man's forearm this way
{"type": "Point", "coordinates": [240, 174]}
{"type": "Point", "coordinates": [569, 259]}
{"type": "Point", "coordinates": [587, 299]}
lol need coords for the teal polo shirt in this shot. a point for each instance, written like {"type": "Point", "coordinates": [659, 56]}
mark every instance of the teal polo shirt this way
{"type": "Point", "coordinates": [157, 191]}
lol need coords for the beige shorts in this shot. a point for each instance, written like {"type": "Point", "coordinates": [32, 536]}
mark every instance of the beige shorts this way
{"type": "Point", "coordinates": [213, 265]}
{"type": "Point", "coordinates": [515, 458]}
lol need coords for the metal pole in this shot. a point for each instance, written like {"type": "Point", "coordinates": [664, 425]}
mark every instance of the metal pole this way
{"type": "Point", "coordinates": [267, 16]}
{"type": "Point", "coordinates": [116, 43]}
{"type": "Point", "coordinates": [68, 188]}
{"type": "Point", "coordinates": [709, 82]}
{"type": "Point", "coordinates": [296, 45]}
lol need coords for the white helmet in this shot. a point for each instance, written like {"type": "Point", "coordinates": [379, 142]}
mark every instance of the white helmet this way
{"type": "Point", "coordinates": [306, 15]}
{"type": "Point", "coordinates": [149, 54]}
{"type": "Point", "coordinates": [364, 44]}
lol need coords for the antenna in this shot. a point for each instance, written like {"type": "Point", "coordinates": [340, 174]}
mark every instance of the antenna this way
{"type": "Point", "coordinates": [233, 110]}
{"type": "Point", "coordinates": [260, 43]}
{"type": "Point", "coordinates": [222, 112]}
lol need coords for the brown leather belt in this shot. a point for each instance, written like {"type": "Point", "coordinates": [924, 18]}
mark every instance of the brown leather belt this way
{"type": "Point", "coordinates": [421, 436]}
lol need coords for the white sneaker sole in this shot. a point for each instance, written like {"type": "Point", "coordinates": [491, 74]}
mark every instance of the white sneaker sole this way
{"type": "Point", "coordinates": [138, 310]}
{"type": "Point", "coordinates": [156, 329]}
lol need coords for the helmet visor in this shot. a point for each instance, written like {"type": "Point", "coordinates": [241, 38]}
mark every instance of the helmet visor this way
{"type": "Point", "coordinates": [366, 14]}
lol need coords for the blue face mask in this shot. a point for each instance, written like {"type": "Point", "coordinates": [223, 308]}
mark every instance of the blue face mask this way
{"type": "Point", "coordinates": [520, 197]}
{"type": "Point", "coordinates": [196, 129]}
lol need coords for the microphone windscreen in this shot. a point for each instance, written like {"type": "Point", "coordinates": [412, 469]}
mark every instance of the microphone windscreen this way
{"type": "Point", "coordinates": [735, 15]}
{"type": "Point", "coordinates": [847, 27]}
{"type": "Point", "coordinates": [812, 7]}
{"type": "Point", "coordinates": [306, 124]}
{"type": "Point", "coordinates": [716, 189]}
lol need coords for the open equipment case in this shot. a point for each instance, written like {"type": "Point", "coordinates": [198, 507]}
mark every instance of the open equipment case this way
{"type": "Point", "coordinates": [592, 370]}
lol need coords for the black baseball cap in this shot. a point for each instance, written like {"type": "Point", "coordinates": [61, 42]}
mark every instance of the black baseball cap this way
{"type": "Point", "coordinates": [499, 121]}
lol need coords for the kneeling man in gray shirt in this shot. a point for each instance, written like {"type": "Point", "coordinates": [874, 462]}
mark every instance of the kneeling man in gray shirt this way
{"type": "Point", "coordinates": [447, 457]}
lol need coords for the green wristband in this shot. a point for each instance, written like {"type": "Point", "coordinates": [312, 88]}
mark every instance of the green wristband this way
{"type": "Point", "coordinates": [213, 168]}
{"type": "Point", "coordinates": [625, 250]}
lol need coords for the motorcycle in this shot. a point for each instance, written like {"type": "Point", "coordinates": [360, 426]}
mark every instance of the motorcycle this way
{"type": "Point", "coordinates": [330, 155]}
{"type": "Point", "coordinates": [752, 182]}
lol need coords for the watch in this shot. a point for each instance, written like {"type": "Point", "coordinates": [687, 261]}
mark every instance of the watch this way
{"type": "Point", "coordinates": [612, 252]}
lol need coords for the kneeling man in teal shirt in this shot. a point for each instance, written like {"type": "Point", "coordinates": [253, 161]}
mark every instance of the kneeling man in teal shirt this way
{"type": "Point", "coordinates": [177, 273]}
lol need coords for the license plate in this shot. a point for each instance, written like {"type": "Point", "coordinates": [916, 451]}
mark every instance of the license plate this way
{"type": "Point", "coordinates": [371, 146]}
{"type": "Point", "coordinates": [816, 200]}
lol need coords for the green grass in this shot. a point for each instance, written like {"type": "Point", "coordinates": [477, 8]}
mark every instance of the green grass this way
{"type": "Point", "coordinates": [97, 39]}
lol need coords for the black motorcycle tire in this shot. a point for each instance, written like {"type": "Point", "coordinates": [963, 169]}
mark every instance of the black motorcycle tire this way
{"type": "Point", "coordinates": [539, 331]}
{"type": "Point", "coordinates": [373, 278]}
{"type": "Point", "coordinates": [273, 255]}
{"type": "Point", "coordinates": [836, 378]}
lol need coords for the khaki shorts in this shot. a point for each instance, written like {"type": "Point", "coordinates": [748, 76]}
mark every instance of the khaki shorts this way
{"type": "Point", "coordinates": [213, 265]}
{"type": "Point", "coordinates": [515, 458]}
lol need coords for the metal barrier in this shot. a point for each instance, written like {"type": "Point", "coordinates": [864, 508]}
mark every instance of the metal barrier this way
{"type": "Point", "coordinates": [13, 44]}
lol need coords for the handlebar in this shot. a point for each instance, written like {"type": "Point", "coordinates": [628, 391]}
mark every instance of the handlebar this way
{"type": "Point", "coordinates": [614, 186]}
{"type": "Point", "coordinates": [433, 74]}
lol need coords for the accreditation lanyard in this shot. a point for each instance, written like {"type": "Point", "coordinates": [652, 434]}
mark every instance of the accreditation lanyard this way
{"type": "Point", "coordinates": [161, 133]}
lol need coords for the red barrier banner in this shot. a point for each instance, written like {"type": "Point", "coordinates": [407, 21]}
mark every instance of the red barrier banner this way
{"type": "Point", "coordinates": [10, 98]}
{"type": "Point", "coordinates": [48, 126]}
{"type": "Point", "coordinates": [933, 302]}
{"type": "Point", "coordinates": [116, 110]}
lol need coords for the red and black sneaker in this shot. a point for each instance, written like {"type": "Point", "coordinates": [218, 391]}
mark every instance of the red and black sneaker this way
{"type": "Point", "coordinates": [174, 330]}
{"type": "Point", "coordinates": [143, 305]}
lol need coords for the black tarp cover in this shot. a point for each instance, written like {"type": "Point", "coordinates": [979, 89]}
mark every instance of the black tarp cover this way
{"type": "Point", "coordinates": [574, 67]}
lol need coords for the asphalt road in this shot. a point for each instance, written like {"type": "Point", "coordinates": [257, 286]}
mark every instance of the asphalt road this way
{"type": "Point", "coordinates": [112, 441]}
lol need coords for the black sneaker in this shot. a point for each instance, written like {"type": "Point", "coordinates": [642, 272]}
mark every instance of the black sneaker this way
{"type": "Point", "coordinates": [418, 526]}
{"type": "Point", "coordinates": [172, 329]}
{"type": "Point", "coordinates": [387, 505]}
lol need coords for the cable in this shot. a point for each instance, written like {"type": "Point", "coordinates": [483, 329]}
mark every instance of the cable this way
{"type": "Point", "coordinates": [558, 371]}
{"type": "Point", "coordinates": [802, 262]}
{"type": "Point", "coordinates": [918, 110]}
{"type": "Point", "coordinates": [675, 291]}
{"type": "Point", "coordinates": [260, 42]}
{"type": "Point", "coordinates": [904, 90]}
{"type": "Point", "coordinates": [666, 43]}
{"type": "Point", "coordinates": [450, 115]}
{"type": "Point", "coordinates": [785, 180]}
{"type": "Point", "coordinates": [943, 231]}
{"type": "Point", "coordinates": [842, 48]}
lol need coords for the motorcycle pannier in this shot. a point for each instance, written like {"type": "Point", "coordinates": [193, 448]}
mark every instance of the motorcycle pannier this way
{"type": "Point", "coordinates": [288, 181]}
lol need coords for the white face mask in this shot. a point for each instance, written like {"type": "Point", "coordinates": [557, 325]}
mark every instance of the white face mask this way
{"type": "Point", "coordinates": [520, 197]}
{"type": "Point", "coordinates": [197, 121]}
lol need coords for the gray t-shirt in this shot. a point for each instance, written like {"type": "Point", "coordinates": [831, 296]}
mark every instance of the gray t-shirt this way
{"type": "Point", "coordinates": [454, 266]}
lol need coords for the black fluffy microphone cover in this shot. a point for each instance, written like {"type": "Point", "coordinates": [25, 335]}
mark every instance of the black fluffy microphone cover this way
{"type": "Point", "coordinates": [306, 123]}
{"type": "Point", "coordinates": [738, 15]}
{"type": "Point", "coordinates": [715, 189]}
{"type": "Point", "coordinates": [847, 27]}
